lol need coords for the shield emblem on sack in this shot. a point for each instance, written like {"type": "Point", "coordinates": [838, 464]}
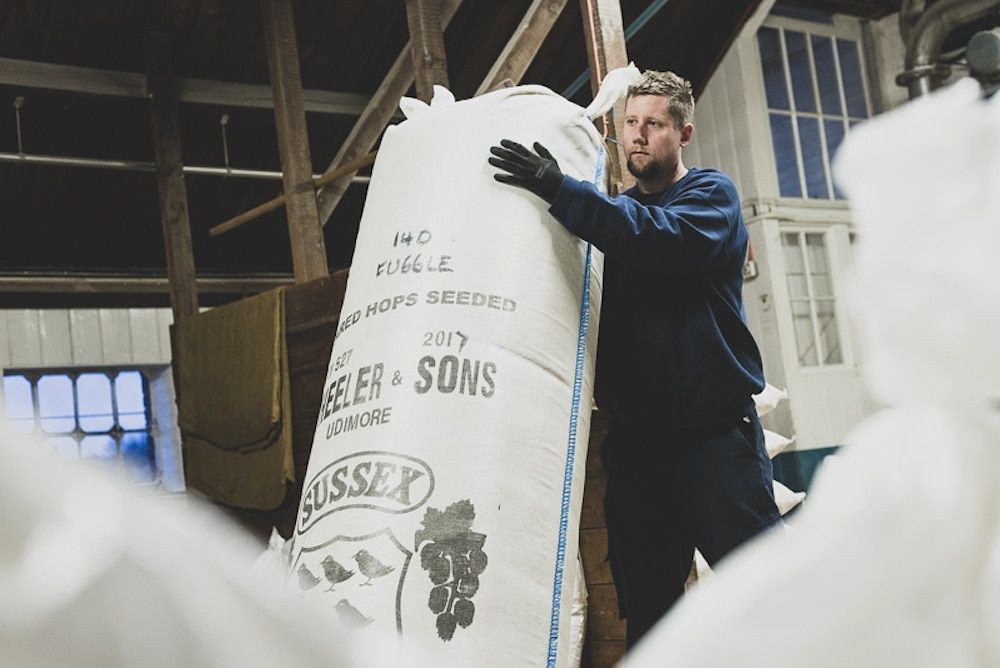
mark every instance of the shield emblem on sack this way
{"type": "Point", "coordinates": [360, 576]}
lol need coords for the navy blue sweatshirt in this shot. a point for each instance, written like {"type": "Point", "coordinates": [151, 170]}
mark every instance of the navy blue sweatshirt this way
{"type": "Point", "coordinates": [674, 347]}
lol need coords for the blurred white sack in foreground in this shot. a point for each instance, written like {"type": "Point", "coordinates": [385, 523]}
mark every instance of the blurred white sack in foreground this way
{"type": "Point", "coordinates": [896, 559]}
{"type": "Point", "coordinates": [92, 575]}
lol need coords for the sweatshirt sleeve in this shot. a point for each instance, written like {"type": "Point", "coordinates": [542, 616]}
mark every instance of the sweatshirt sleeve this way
{"type": "Point", "coordinates": [686, 234]}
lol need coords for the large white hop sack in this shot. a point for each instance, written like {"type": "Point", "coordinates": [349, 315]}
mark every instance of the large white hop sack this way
{"type": "Point", "coordinates": [895, 561]}
{"type": "Point", "coordinates": [443, 491]}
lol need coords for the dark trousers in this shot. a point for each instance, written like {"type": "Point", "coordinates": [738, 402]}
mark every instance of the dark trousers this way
{"type": "Point", "coordinates": [669, 492]}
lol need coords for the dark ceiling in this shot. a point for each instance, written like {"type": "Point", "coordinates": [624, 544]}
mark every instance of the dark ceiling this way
{"type": "Point", "coordinates": [867, 9]}
{"type": "Point", "coordinates": [78, 220]}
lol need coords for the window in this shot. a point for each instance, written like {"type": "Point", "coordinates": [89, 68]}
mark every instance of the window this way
{"type": "Point", "coordinates": [102, 415]}
{"type": "Point", "coordinates": [810, 290]}
{"type": "Point", "coordinates": [815, 93]}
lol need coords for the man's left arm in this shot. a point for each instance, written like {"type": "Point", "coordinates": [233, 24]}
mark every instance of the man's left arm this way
{"type": "Point", "coordinates": [688, 235]}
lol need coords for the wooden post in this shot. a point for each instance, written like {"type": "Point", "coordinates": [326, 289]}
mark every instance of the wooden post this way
{"type": "Point", "coordinates": [162, 92]}
{"type": "Point", "coordinates": [373, 120]}
{"type": "Point", "coordinates": [605, 42]}
{"type": "Point", "coordinates": [605, 641]}
{"type": "Point", "coordinates": [308, 250]}
{"type": "Point", "coordinates": [430, 65]}
{"type": "Point", "coordinates": [602, 25]}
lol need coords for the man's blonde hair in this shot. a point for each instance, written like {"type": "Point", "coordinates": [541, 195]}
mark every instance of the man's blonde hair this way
{"type": "Point", "coordinates": [677, 89]}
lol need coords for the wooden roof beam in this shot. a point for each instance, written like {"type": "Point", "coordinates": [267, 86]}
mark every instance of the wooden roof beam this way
{"type": "Point", "coordinates": [170, 176]}
{"type": "Point", "coordinates": [523, 45]}
{"type": "Point", "coordinates": [430, 63]}
{"type": "Point", "coordinates": [92, 285]}
{"type": "Point", "coordinates": [510, 66]}
{"type": "Point", "coordinates": [33, 74]}
{"type": "Point", "coordinates": [373, 120]}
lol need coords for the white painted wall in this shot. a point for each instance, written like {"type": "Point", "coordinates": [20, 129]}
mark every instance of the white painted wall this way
{"type": "Point", "coordinates": [885, 55]}
{"type": "Point", "coordinates": [762, 317]}
{"type": "Point", "coordinates": [40, 338]}
{"type": "Point", "coordinates": [728, 119]}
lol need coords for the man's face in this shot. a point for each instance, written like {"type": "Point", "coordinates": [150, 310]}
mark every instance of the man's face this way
{"type": "Point", "coordinates": [653, 142]}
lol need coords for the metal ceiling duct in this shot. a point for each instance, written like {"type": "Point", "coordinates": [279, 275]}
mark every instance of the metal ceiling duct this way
{"type": "Point", "coordinates": [924, 37]}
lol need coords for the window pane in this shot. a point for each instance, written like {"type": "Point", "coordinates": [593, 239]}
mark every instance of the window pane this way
{"type": "Point", "coordinates": [816, 246]}
{"type": "Point", "coordinates": [797, 285]}
{"type": "Point", "coordinates": [812, 158]}
{"type": "Point", "coordinates": [768, 41]}
{"type": "Point", "coordinates": [66, 404]}
{"type": "Point", "coordinates": [102, 447]}
{"type": "Point", "coordinates": [828, 332]}
{"type": "Point", "coordinates": [819, 265]}
{"type": "Point", "coordinates": [137, 453]}
{"type": "Point", "coordinates": [801, 72]}
{"type": "Point", "coordinates": [804, 339]}
{"type": "Point", "coordinates": [784, 156]}
{"type": "Point", "coordinates": [93, 394]}
{"type": "Point", "coordinates": [794, 266]}
{"type": "Point", "coordinates": [64, 446]}
{"type": "Point", "coordinates": [834, 137]}
{"type": "Point", "coordinates": [826, 75]}
{"type": "Point", "coordinates": [850, 70]}
{"type": "Point", "coordinates": [131, 400]}
{"type": "Point", "coordinates": [17, 400]}
{"type": "Point", "coordinates": [55, 404]}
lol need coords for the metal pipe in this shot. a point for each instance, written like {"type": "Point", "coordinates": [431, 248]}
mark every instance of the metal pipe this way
{"type": "Point", "coordinates": [281, 199]}
{"type": "Point", "coordinates": [909, 15]}
{"type": "Point", "coordinates": [139, 166]}
{"type": "Point", "coordinates": [927, 38]}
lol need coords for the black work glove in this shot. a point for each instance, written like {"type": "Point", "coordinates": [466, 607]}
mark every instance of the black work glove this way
{"type": "Point", "coordinates": [538, 173]}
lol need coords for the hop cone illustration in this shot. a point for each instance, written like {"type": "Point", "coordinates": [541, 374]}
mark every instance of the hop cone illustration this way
{"type": "Point", "coordinates": [453, 556]}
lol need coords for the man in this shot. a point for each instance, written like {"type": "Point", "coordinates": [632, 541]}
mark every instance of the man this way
{"type": "Point", "coordinates": [676, 365]}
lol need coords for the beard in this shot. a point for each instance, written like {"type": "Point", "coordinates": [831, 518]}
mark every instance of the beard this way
{"type": "Point", "coordinates": [651, 169]}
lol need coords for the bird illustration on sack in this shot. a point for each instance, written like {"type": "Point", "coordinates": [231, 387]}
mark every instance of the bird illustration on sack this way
{"type": "Point", "coordinates": [334, 572]}
{"type": "Point", "coordinates": [370, 566]}
{"type": "Point", "coordinates": [372, 599]}
{"type": "Point", "coordinates": [351, 617]}
{"type": "Point", "coordinates": [306, 578]}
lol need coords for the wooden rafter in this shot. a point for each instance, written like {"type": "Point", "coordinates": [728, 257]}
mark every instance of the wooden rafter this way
{"type": "Point", "coordinates": [602, 27]}
{"type": "Point", "coordinates": [430, 63]}
{"type": "Point", "coordinates": [604, 37]}
{"type": "Point", "coordinates": [31, 74]}
{"type": "Point", "coordinates": [308, 249]}
{"type": "Point", "coordinates": [509, 67]}
{"type": "Point", "coordinates": [105, 285]}
{"type": "Point", "coordinates": [170, 177]}
{"type": "Point", "coordinates": [373, 120]}
{"type": "Point", "coordinates": [523, 45]}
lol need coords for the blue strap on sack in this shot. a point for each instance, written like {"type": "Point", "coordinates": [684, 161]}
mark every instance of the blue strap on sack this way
{"type": "Point", "coordinates": [574, 414]}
